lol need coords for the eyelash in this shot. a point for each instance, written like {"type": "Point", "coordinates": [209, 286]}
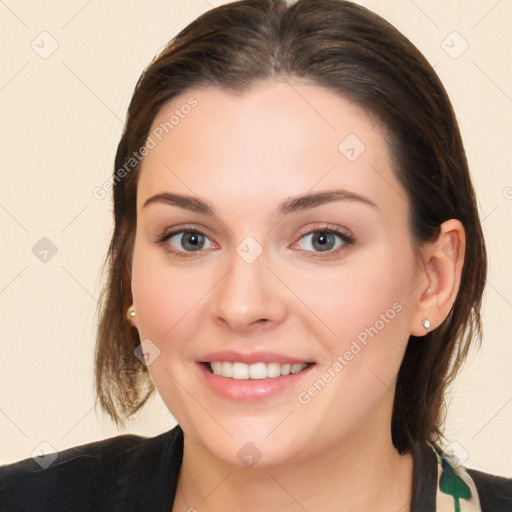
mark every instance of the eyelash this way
{"type": "Point", "coordinates": [324, 229]}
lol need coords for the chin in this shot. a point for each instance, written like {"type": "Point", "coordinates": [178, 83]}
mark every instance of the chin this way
{"type": "Point", "coordinates": [256, 454]}
{"type": "Point", "coordinates": [252, 443]}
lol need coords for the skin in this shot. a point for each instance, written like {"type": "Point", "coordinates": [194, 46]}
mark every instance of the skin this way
{"type": "Point", "coordinates": [245, 155]}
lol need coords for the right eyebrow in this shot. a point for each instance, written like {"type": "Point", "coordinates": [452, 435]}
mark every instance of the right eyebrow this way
{"type": "Point", "coordinates": [186, 202]}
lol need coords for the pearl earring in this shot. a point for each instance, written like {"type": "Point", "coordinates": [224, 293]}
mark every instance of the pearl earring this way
{"type": "Point", "coordinates": [130, 313]}
{"type": "Point", "coordinates": [426, 324]}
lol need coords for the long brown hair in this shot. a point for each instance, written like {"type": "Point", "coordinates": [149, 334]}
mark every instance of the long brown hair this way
{"type": "Point", "coordinates": [352, 51]}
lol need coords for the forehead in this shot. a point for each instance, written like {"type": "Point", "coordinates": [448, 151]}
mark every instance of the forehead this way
{"type": "Point", "coordinates": [279, 139]}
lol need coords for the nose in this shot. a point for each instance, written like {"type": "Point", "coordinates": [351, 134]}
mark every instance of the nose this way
{"type": "Point", "coordinates": [250, 296]}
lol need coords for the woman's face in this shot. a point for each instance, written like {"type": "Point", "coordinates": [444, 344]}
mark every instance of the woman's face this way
{"type": "Point", "coordinates": [237, 262]}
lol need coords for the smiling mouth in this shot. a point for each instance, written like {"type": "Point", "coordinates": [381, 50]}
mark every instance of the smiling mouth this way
{"type": "Point", "coordinates": [256, 371]}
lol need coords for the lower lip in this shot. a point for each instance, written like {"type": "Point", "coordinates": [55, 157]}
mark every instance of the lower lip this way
{"type": "Point", "coordinates": [252, 390]}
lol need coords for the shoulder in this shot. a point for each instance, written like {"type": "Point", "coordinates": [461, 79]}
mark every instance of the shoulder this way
{"type": "Point", "coordinates": [495, 492]}
{"type": "Point", "coordinates": [102, 475]}
{"type": "Point", "coordinates": [481, 491]}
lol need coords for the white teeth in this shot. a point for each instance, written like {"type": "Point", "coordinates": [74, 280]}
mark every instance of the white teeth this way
{"type": "Point", "coordinates": [240, 371]}
{"type": "Point", "coordinates": [256, 371]}
{"type": "Point", "coordinates": [227, 369]}
{"type": "Point", "coordinates": [273, 370]}
{"type": "Point", "coordinates": [296, 368]}
{"type": "Point", "coordinates": [217, 367]}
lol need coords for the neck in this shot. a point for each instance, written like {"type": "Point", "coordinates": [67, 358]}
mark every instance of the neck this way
{"type": "Point", "coordinates": [364, 473]}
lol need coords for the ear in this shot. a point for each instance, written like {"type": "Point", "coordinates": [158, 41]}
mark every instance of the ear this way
{"type": "Point", "coordinates": [439, 277]}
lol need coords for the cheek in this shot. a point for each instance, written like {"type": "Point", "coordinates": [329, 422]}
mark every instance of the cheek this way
{"type": "Point", "coordinates": [367, 306]}
{"type": "Point", "coordinates": [367, 291]}
{"type": "Point", "coordinates": [162, 295]}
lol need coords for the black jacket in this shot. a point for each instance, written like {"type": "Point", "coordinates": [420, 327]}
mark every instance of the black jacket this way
{"type": "Point", "coordinates": [133, 473]}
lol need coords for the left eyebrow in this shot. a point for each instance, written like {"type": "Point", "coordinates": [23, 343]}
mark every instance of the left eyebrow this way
{"type": "Point", "coordinates": [291, 205]}
{"type": "Point", "coordinates": [315, 199]}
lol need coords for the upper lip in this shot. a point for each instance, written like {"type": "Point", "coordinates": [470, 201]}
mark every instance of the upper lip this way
{"type": "Point", "coordinates": [251, 357]}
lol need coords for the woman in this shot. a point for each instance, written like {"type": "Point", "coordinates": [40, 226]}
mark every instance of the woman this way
{"type": "Point", "coordinates": [297, 267]}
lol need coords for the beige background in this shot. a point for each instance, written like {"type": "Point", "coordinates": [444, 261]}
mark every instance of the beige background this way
{"type": "Point", "coordinates": [61, 117]}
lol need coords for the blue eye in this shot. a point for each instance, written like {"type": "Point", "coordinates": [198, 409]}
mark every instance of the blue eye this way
{"type": "Point", "coordinates": [182, 242]}
{"type": "Point", "coordinates": [327, 240]}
